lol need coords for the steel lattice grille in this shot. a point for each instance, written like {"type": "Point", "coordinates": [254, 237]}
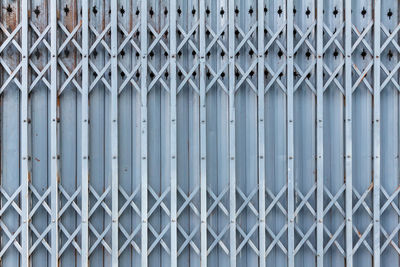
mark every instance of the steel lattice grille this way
{"type": "Point", "coordinates": [199, 133]}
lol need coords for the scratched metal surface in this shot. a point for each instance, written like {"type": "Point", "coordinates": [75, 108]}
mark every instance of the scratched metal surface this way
{"type": "Point", "coordinates": [199, 133]}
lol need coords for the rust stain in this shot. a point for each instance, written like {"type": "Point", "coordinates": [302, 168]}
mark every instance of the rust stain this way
{"type": "Point", "coordinates": [42, 19]}
{"type": "Point", "coordinates": [11, 18]}
{"type": "Point", "coordinates": [103, 17]}
{"type": "Point", "coordinates": [359, 233]}
{"type": "Point", "coordinates": [71, 16]}
{"type": "Point", "coordinates": [370, 186]}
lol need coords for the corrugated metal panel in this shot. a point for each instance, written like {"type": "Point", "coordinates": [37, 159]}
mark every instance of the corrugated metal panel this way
{"type": "Point", "coordinates": [199, 133]}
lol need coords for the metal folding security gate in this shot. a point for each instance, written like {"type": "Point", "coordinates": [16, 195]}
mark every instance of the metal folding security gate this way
{"type": "Point", "coordinates": [199, 133]}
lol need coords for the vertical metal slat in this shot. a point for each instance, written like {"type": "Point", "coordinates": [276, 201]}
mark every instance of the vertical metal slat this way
{"type": "Point", "coordinates": [290, 129]}
{"type": "Point", "coordinates": [24, 175]}
{"type": "Point", "coordinates": [85, 136]}
{"type": "Point", "coordinates": [320, 135]}
{"type": "Point", "coordinates": [261, 134]}
{"type": "Point", "coordinates": [174, 191]}
{"type": "Point", "coordinates": [232, 126]}
{"type": "Point", "coordinates": [376, 134]}
{"type": "Point", "coordinates": [203, 140]}
{"type": "Point", "coordinates": [114, 130]}
{"type": "Point", "coordinates": [348, 136]}
{"type": "Point", "coordinates": [143, 131]}
{"type": "Point", "coordinates": [53, 136]}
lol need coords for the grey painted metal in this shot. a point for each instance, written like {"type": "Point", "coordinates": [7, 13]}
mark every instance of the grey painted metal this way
{"type": "Point", "coordinates": [320, 133]}
{"type": "Point", "coordinates": [334, 182]}
{"type": "Point", "coordinates": [85, 136]}
{"type": "Point", "coordinates": [85, 246]}
{"type": "Point", "coordinates": [143, 134]}
{"type": "Point", "coordinates": [53, 136]}
{"type": "Point", "coordinates": [114, 130]}
{"type": "Point", "coordinates": [290, 135]}
{"type": "Point", "coordinates": [348, 136]}
{"type": "Point", "coordinates": [24, 156]}
{"type": "Point", "coordinates": [261, 132]}
{"type": "Point", "coordinates": [173, 134]}
{"type": "Point", "coordinates": [199, 133]}
{"type": "Point", "coordinates": [376, 135]}
{"type": "Point", "coordinates": [232, 139]}
{"type": "Point", "coordinates": [203, 136]}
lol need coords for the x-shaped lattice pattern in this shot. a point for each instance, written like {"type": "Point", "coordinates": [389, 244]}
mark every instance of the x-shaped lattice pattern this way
{"type": "Point", "coordinates": [247, 204]}
{"type": "Point", "coordinates": [274, 204]}
{"type": "Point", "coordinates": [188, 41]}
{"type": "Point", "coordinates": [389, 74]}
{"type": "Point", "coordinates": [66, 66]}
{"type": "Point", "coordinates": [129, 235]}
{"type": "Point", "coordinates": [244, 75]}
{"type": "Point", "coordinates": [389, 51]}
{"type": "Point", "coordinates": [362, 44]}
{"type": "Point", "coordinates": [332, 43]}
{"type": "Point", "coordinates": [40, 204]}
{"type": "Point", "coordinates": [360, 206]}
{"type": "Point", "coordinates": [69, 207]}
{"type": "Point", "coordinates": [387, 202]}
{"type": "Point", "coordinates": [158, 44]}
{"type": "Point", "coordinates": [216, 206]}
{"type": "Point", "coordinates": [9, 43]}
{"type": "Point", "coordinates": [304, 65]}
{"type": "Point", "coordinates": [216, 41]}
{"type": "Point", "coordinates": [130, 75]}
{"type": "Point", "coordinates": [39, 63]}
{"type": "Point", "coordinates": [304, 42]}
{"type": "Point", "coordinates": [275, 71]}
{"type": "Point", "coordinates": [333, 206]}
{"type": "Point", "coordinates": [100, 72]}
{"type": "Point", "coordinates": [99, 233]}
{"type": "Point", "coordinates": [188, 205]}
{"type": "Point", "coordinates": [159, 206]}
{"type": "Point", "coordinates": [11, 230]}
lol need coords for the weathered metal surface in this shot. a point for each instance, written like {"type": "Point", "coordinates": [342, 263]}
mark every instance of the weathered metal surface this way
{"type": "Point", "coordinates": [199, 133]}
